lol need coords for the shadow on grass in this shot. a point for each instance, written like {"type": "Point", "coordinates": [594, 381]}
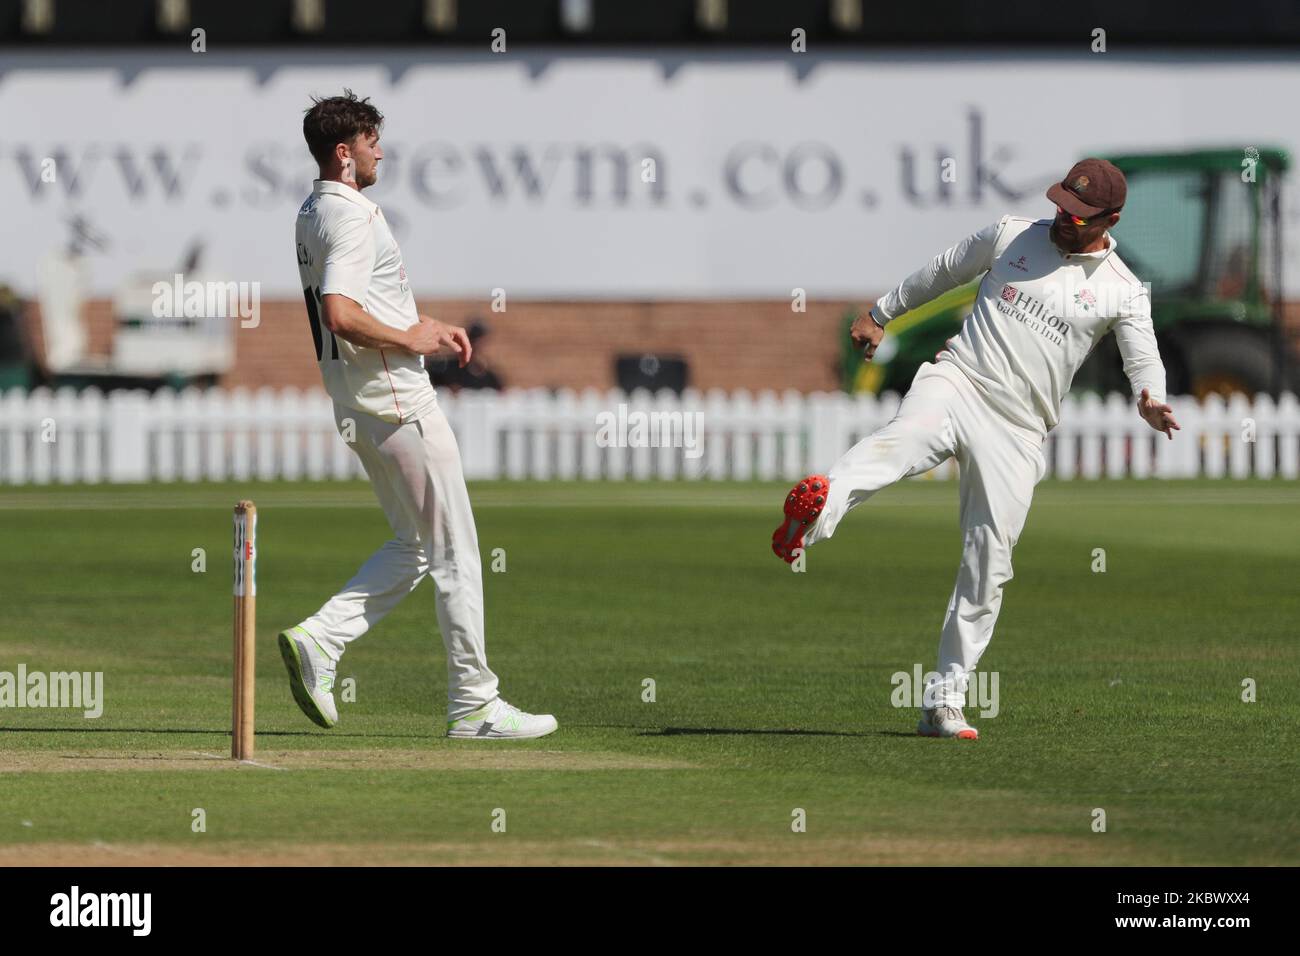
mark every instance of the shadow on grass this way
{"type": "Point", "coordinates": [794, 732]}
{"type": "Point", "coordinates": [188, 730]}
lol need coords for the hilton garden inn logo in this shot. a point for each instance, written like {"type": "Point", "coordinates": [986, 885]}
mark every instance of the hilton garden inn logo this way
{"type": "Point", "coordinates": [625, 429]}
{"type": "Point", "coordinates": [76, 908]}
{"type": "Point", "coordinates": [82, 690]}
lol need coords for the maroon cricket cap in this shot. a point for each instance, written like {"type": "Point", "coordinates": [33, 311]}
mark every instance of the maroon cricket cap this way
{"type": "Point", "coordinates": [1090, 187]}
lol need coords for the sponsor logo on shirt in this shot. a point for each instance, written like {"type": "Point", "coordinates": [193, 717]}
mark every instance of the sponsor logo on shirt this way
{"type": "Point", "coordinates": [1020, 264]}
{"type": "Point", "coordinates": [1033, 315]}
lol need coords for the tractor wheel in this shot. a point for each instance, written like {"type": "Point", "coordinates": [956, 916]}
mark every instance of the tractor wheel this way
{"type": "Point", "coordinates": [1222, 361]}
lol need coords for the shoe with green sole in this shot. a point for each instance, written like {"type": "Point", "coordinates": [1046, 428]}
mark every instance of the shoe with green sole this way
{"type": "Point", "coordinates": [311, 676]}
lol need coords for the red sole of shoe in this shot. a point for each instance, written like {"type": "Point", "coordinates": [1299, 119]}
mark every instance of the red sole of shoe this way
{"type": "Point", "coordinates": [961, 735]}
{"type": "Point", "coordinates": [802, 506]}
{"type": "Point", "coordinates": [783, 545]}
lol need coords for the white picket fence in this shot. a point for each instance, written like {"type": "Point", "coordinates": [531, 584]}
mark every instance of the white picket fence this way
{"type": "Point", "coordinates": [66, 437]}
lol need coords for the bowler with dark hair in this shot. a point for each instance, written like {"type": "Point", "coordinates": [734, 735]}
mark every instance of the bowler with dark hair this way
{"type": "Point", "coordinates": [370, 344]}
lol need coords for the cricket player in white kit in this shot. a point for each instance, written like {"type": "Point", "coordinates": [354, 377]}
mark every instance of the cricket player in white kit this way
{"type": "Point", "coordinates": [1052, 288]}
{"type": "Point", "coordinates": [370, 343]}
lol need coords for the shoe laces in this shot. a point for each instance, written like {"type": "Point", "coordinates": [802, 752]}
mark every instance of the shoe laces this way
{"type": "Point", "coordinates": [507, 715]}
{"type": "Point", "coordinates": [326, 669]}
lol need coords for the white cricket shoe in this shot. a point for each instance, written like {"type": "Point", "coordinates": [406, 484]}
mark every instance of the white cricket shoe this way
{"type": "Point", "coordinates": [311, 676]}
{"type": "Point", "coordinates": [945, 722]}
{"type": "Point", "coordinates": [501, 721]}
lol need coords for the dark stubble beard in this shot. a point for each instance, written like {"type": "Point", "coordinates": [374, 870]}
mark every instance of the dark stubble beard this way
{"type": "Point", "coordinates": [1055, 234]}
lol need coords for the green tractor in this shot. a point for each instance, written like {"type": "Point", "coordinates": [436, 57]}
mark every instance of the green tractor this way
{"type": "Point", "coordinates": [1204, 229]}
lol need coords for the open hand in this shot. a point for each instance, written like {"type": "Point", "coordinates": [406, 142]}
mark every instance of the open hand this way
{"type": "Point", "coordinates": [1158, 416]}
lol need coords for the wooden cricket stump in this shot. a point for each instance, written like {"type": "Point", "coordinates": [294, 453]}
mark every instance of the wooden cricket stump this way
{"type": "Point", "coordinates": [241, 746]}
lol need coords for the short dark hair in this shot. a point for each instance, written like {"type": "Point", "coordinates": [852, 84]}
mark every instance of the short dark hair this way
{"type": "Point", "coordinates": [338, 119]}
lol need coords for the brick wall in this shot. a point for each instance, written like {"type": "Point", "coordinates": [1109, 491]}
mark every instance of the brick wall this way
{"type": "Point", "coordinates": [727, 345]}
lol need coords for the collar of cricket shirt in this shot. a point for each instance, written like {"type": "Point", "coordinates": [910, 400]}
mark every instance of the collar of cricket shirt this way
{"type": "Point", "coordinates": [322, 186]}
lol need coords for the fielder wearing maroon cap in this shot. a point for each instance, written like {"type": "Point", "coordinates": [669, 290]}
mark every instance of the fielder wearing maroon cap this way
{"type": "Point", "coordinates": [1049, 289]}
{"type": "Point", "coordinates": [1092, 186]}
{"type": "Point", "coordinates": [1088, 201]}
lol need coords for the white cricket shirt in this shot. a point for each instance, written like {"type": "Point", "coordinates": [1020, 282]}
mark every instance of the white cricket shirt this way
{"type": "Point", "coordinates": [1037, 315]}
{"type": "Point", "coordinates": [346, 247]}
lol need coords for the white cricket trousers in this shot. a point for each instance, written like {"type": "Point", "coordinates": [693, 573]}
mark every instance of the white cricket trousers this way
{"type": "Point", "coordinates": [944, 415]}
{"type": "Point", "coordinates": [416, 473]}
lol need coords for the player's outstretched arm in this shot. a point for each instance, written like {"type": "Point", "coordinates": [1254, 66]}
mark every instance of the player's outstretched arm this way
{"type": "Point", "coordinates": [1136, 337]}
{"type": "Point", "coordinates": [952, 267]}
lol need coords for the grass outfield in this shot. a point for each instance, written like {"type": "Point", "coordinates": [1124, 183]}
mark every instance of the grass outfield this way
{"type": "Point", "coordinates": [1119, 691]}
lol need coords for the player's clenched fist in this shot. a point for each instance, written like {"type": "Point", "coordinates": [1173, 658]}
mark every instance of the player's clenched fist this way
{"type": "Point", "coordinates": [433, 336]}
{"type": "Point", "coordinates": [866, 335]}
